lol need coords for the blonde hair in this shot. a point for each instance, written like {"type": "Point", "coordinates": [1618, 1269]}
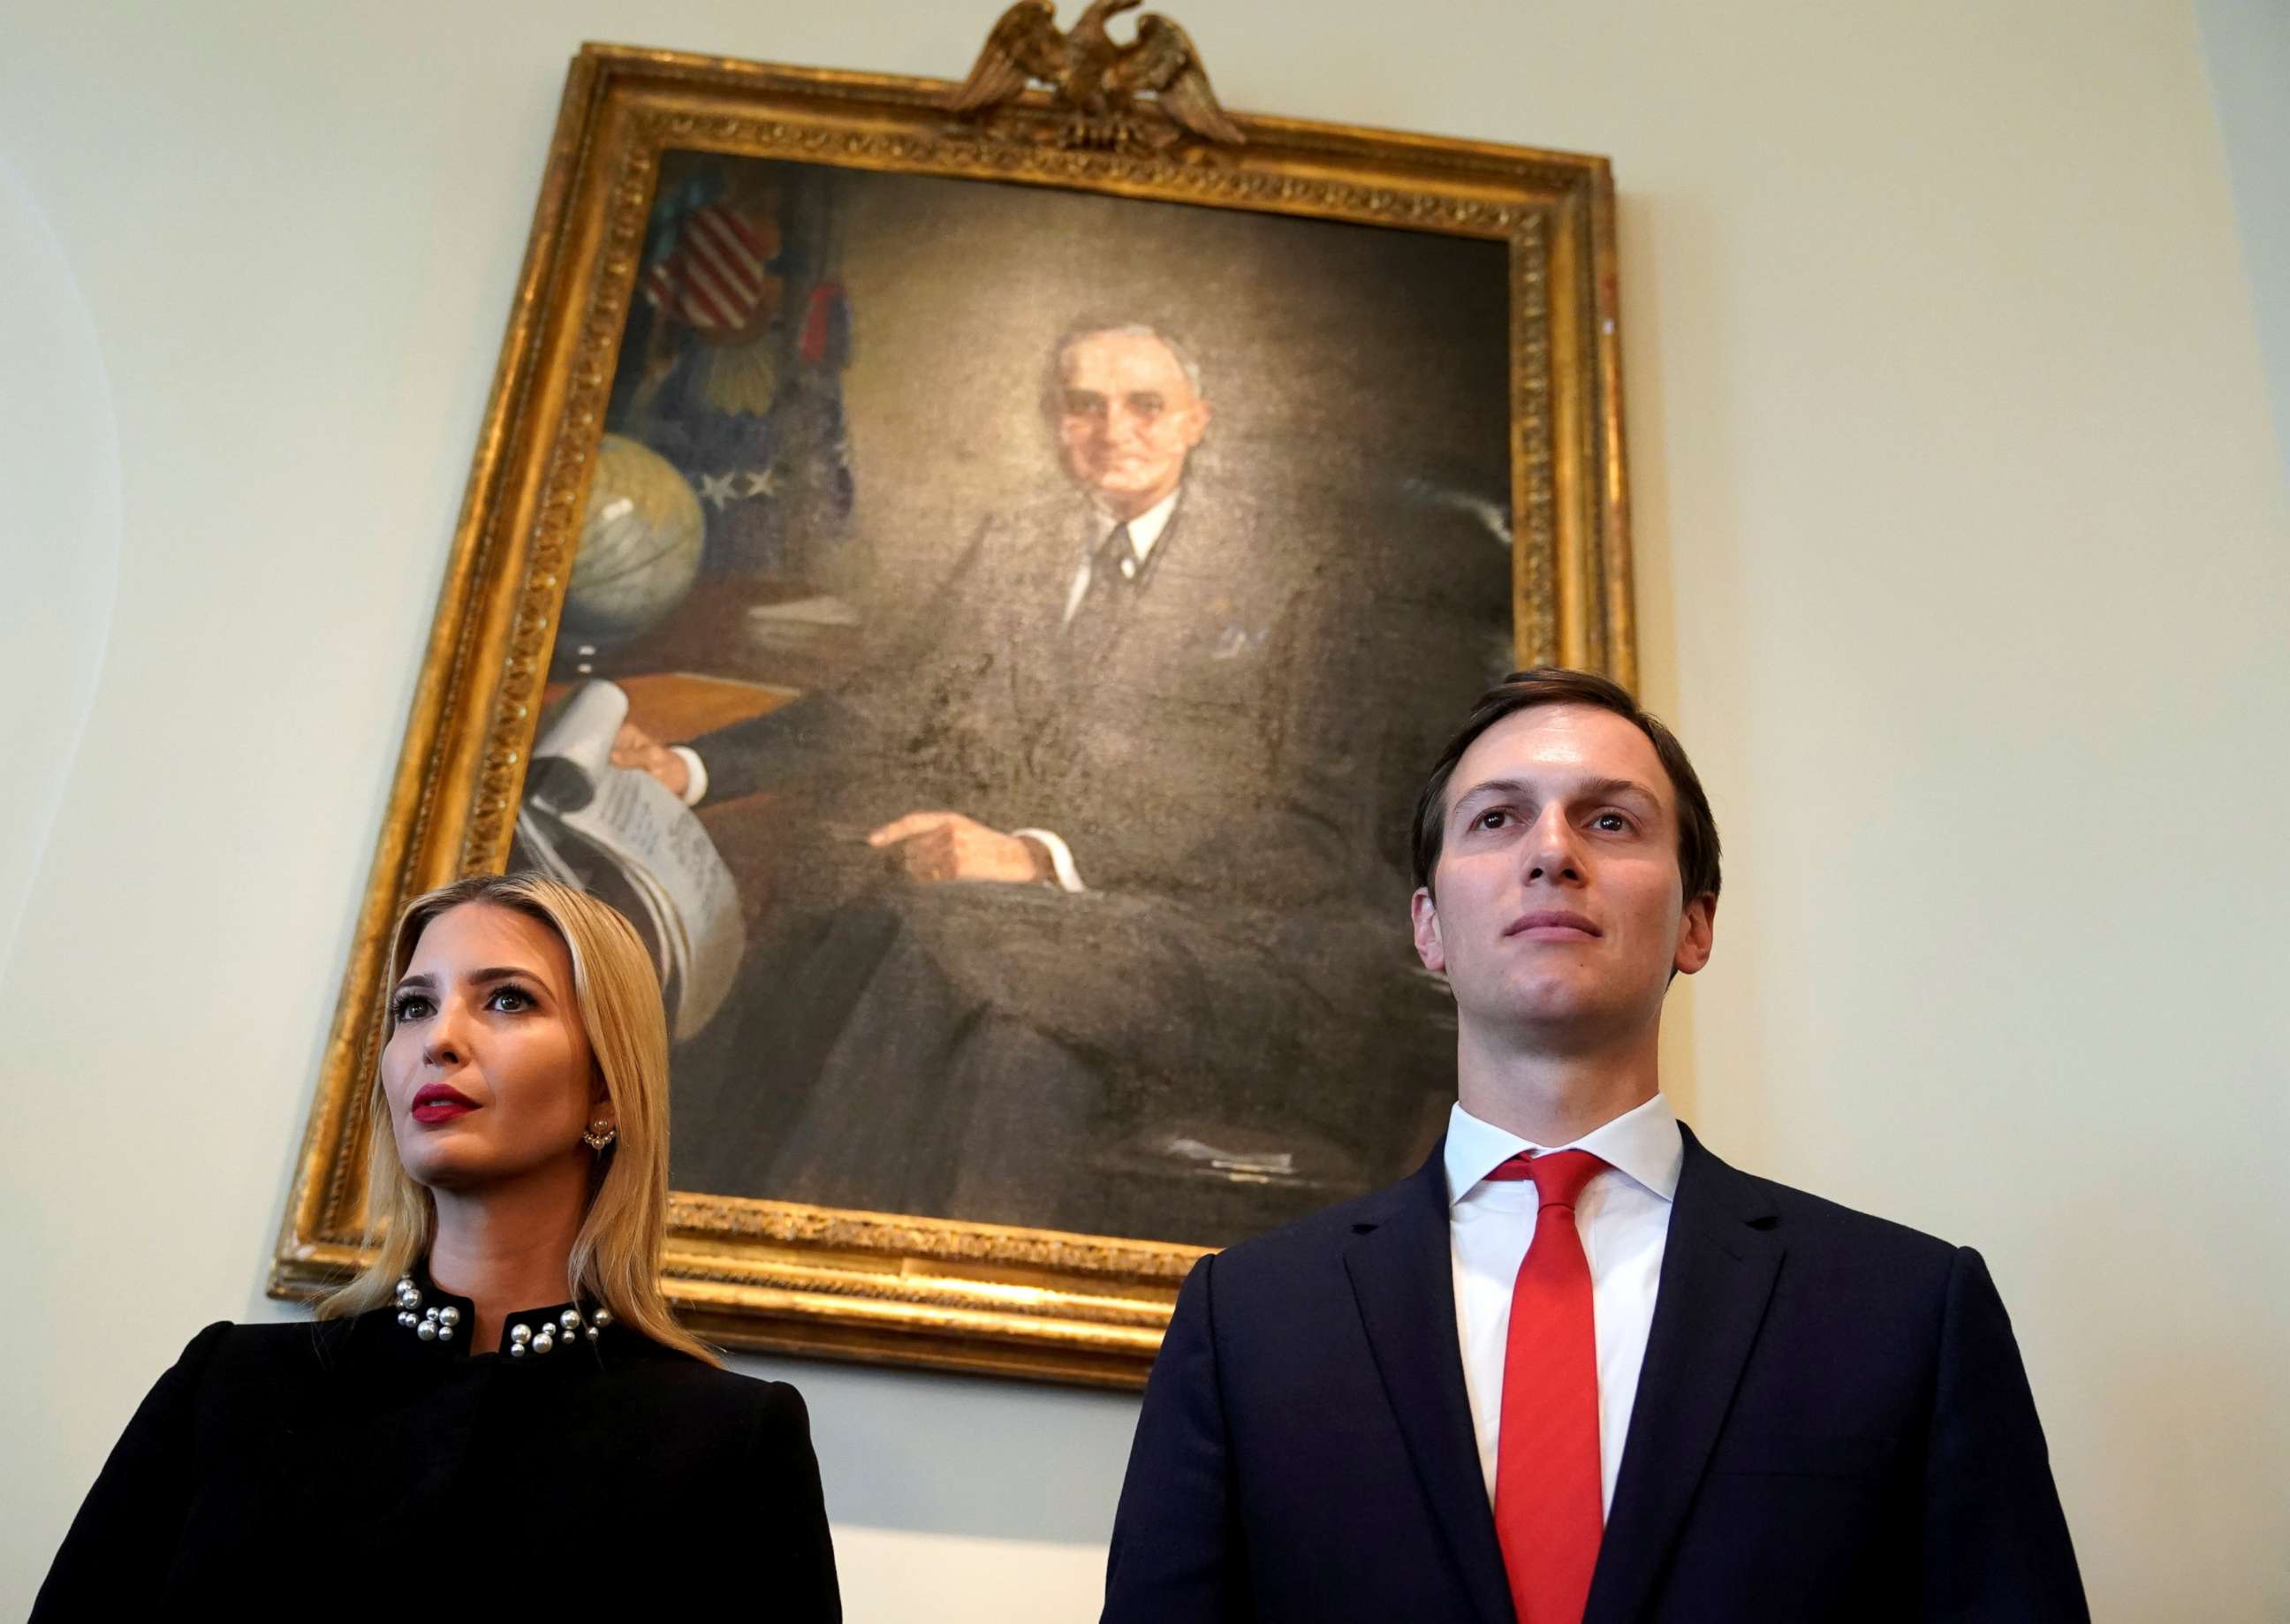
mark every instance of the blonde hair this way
{"type": "Point", "coordinates": [616, 1257]}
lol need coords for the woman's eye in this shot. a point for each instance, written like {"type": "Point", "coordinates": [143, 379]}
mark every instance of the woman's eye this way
{"type": "Point", "coordinates": [412, 1006]}
{"type": "Point", "coordinates": [511, 1000]}
{"type": "Point", "coordinates": [1494, 818]}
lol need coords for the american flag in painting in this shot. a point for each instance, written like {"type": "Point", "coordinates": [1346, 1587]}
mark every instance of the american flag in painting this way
{"type": "Point", "coordinates": [719, 278]}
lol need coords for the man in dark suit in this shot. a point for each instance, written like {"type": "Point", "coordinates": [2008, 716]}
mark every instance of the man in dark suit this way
{"type": "Point", "coordinates": [1036, 855]}
{"type": "Point", "coordinates": [1087, 661]}
{"type": "Point", "coordinates": [1577, 1368]}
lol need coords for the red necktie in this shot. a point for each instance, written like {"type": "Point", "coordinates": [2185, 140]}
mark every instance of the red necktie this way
{"type": "Point", "coordinates": [1548, 1511]}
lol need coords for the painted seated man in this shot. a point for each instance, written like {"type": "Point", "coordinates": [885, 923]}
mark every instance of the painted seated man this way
{"type": "Point", "coordinates": [1125, 786]}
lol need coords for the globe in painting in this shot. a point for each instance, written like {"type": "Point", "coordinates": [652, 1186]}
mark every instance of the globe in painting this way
{"type": "Point", "coordinates": [640, 545]}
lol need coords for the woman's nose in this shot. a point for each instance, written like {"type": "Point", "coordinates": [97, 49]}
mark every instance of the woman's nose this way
{"type": "Point", "coordinates": [445, 1044]}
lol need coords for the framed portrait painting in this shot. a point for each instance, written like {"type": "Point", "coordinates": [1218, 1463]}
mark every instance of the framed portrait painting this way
{"type": "Point", "coordinates": [977, 574]}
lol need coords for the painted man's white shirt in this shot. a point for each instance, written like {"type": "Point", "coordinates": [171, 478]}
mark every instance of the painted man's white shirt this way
{"type": "Point", "coordinates": [1144, 530]}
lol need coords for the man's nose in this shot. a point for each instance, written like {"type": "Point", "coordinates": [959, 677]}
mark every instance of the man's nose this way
{"type": "Point", "coordinates": [1551, 851]}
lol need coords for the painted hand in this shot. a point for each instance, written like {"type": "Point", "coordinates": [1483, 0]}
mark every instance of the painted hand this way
{"type": "Point", "coordinates": [634, 747]}
{"type": "Point", "coordinates": [938, 846]}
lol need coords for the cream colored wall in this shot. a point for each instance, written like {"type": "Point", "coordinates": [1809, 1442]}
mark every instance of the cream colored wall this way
{"type": "Point", "coordinates": [1963, 570]}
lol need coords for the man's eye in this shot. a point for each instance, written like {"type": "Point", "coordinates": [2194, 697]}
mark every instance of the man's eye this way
{"type": "Point", "coordinates": [1494, 818]}
{"type": "Point", "coordinates": [1145, 405]}
{"type": "Point", "coordinates": [1084, 406]}
{"type": "Point", "coordinates": [1613, 822]}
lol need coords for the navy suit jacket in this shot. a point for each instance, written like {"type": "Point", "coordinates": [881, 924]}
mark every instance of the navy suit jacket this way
{"type": "Point", "coordinates": [1832, 1423]}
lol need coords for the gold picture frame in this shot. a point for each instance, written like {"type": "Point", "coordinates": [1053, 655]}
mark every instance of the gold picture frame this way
{"type": "Point", "coordinates": [862, 1286]}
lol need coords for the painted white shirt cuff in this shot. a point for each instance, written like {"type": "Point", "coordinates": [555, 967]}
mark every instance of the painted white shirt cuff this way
{"type": "Point", "coordinates": [695, 774]}
{"type": "Point", "coordinates": [1067, 876]}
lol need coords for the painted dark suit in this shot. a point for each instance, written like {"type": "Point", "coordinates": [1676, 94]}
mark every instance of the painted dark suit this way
{"type": "Point", "coordinates": [1162, 731]}
{"type": "Point", "coordinates": [1094, 1055]}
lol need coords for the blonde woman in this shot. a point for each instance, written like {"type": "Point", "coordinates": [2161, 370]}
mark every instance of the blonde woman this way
{"type": "Point", "coordinates": [501, 1407]}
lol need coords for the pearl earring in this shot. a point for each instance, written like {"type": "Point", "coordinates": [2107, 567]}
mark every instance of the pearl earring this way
{"type": "Point", "coordinates": [600, 1134]}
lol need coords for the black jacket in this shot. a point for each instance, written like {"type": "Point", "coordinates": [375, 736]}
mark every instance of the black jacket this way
{"type": "Point", "coordinates": [1831, 1423]}
{"type": "Point", "coordinates": [360, 1470]}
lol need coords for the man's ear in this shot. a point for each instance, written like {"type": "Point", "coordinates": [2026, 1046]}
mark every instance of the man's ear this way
{"type": "Point", "coordinates": [1423, 913]}
{"type": "Point", "coordinates": [1201, 413]}
{"type": "Point", "coordinates": [1697, 930]}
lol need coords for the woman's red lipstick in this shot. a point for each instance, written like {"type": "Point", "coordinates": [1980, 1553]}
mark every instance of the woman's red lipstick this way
{"type": "Point", "coordinates": [438, 1102]}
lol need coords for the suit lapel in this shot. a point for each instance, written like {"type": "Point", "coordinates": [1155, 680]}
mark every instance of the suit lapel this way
{"type": "Point", "coordinates": [1403, 1279]}
{"type": "Point", "coordinates": [1718, 1275]}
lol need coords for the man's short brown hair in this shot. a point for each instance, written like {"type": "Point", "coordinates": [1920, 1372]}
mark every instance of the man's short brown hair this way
{"type": "Point", "coordinates": [1697, 828]}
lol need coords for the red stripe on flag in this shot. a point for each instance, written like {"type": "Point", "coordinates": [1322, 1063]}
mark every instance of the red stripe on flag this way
{"type": "Point", "coordinates": [721, 245]}
{"type": "Point", "coordinates": [749, 237]}
{"type": "Point", "coordinates": [703, 297]}
{"type": "Point", "coordinates": [729, 229]}
{"type": "Point", "coordinates": [732, 271]}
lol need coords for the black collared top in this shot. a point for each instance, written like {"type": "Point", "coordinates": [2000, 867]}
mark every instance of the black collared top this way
{"type": "Point", "coordinates": [358, 1466]}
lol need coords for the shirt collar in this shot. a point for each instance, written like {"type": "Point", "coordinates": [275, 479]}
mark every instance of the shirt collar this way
{"type": "Point", "coordinates": [1643, 1143]}
{"type": "Point", "coordinates": [1145, 529]}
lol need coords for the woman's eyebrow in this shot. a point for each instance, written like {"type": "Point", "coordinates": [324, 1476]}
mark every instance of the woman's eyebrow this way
{"type": "Point", "coordinates": [503, 972]}
{"type": "Point", "coordinates": [426, 983]}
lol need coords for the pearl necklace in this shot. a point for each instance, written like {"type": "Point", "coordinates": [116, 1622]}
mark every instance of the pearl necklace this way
{"type": "Point", "coordinates": [436, 1325]}
{"type": "Point", "coordinates": [526, 1338]}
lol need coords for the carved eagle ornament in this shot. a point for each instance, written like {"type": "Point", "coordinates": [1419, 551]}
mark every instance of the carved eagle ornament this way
{"type": "Point", "coordinates": [1095, 80]}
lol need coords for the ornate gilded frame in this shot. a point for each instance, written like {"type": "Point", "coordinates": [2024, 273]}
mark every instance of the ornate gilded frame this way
{"type": "Point", "coordinates": [853, 1284]}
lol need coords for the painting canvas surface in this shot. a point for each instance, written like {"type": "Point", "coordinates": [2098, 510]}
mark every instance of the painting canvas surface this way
{"type": "Point", "coordinates": [855, 562]}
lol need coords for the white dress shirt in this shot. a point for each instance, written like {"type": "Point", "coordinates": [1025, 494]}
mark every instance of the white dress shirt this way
{"type": "Point", "coordinates": [1624, 1216]}
{"type": "Point", "coordinates": [1144, 530]}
